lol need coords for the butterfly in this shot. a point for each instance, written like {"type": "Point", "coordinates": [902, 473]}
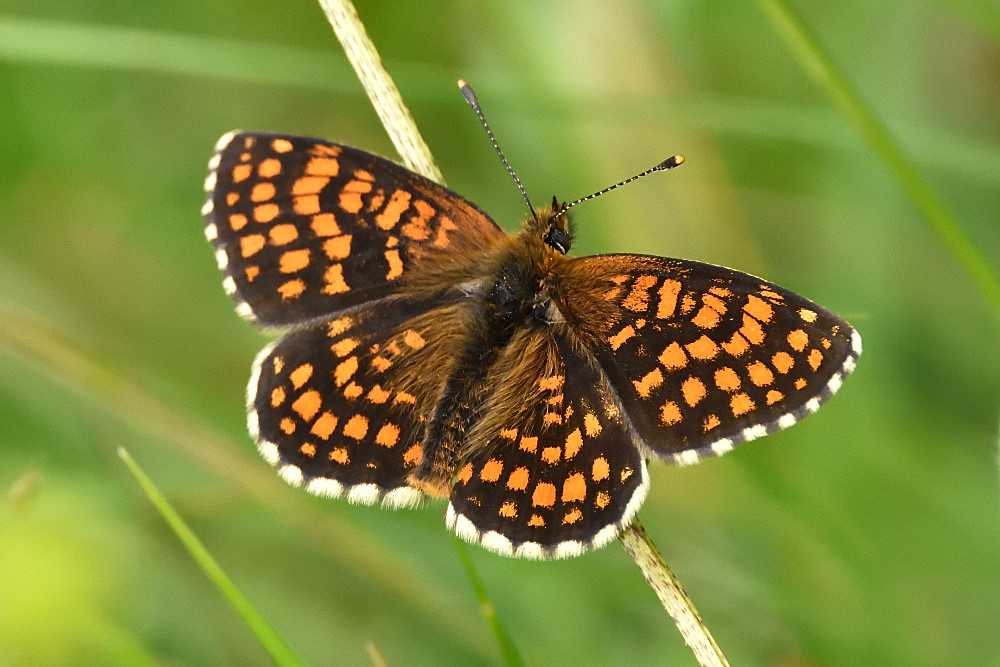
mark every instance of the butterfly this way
{"type": "Point", "coordinates": [427, 353]}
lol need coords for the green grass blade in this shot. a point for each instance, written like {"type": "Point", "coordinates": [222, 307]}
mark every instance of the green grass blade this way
{"type": "Point", "coordinates": [276, 647]}
{"type": "Point", "coordinates": [486, 608]}
{"type": "Point", "coordinates": [819, 66]}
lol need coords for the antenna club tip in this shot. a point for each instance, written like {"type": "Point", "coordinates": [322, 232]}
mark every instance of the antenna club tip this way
{"type": "Point", "coordinates": [470, 97]}
{"type": "Point", "coordinates": [671, 162]}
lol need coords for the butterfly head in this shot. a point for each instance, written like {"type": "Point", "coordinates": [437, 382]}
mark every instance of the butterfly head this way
{"type": "Point", "coordinates": [555, 227]}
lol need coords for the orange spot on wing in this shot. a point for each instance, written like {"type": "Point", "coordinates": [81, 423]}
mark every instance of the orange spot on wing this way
{"type": "Point", "coordinates": [528, 443]}
{"type": "Point", "coordinates": [703, 349]}
{"type": "Point", "coordinates": [797, 339]}
{"type": "Point", "coordinates": [339, 455]}
{"type": "Point", "coordinates": [591, 425]}
{"type": "Point", "coordinates": [307, 405]}
{"type": "Point", "coordinates": [356, 427]}
{"type": "Point", "coordinates": [602, 500]}
{"type": "Point", "coordinates": [262, 192]}
{"type": "Point", "coordinates": [325, 224]}
{"type": "Point", "coordinates": [277, 396]}
{"type": "Point", "coordinates": [334, 279]}
{"type": "Point", "coordinates": [760, 374]}
{"type": "Point", "coordinates": [413, 340]}
{"type": "Point", "coordinates": [800, 383]}
{"type": "Point", "coordinates": [344, 346]}
{"type": "Point", "coordinates": [491, 471]}
{"type": "Point", "coordinates": [309, 185]}
{"type": "Point", "coordinates": [600, 470]}
{"type": "Point", "coordinates": [508, 510]}
{"type": "Point", "coordinates": [344, 370]}
{"type": "Point", "coordinates": [324, 426]}
{"type": "Point", "coordinates": [338, 247]}
{"type": "Point", "coordinates": [751, 330]}
{"type": "Point", "coordinates": [807, 315]}
{"type": "Point", "coordinates": [638, 298]}
{"type": "Point", "coordinates": [572, 516]}
{"type": "Point", "coordinates": [668, 293]}
{"type": "Point", "coordinates": [773, 396]}
{"type": "Point", "coordinates": [399, 201]}
{"type": "Point", "coordinates": [551, 455]}
{"type": "Point", "coordinates": [673, 357]}
{"type": "Point", "coordinates": [251, 244]}
{"type": "Point", "coordinates": [574, 489]}
{"type": "Point", "coordinates": [287, 425]}
{"type": "Point", "coordinates": [782, 362]}
{"type": "Point", "coordinates": [536, 521]}
{"type": "Point", "coordinates": [619, 338]}
{"type": "Point", "coordinates": [378, 395]}
{"type": "Point", "coordinates": [758, 308]}
{"type": "Point", "coordinates": [237, 221]}
{"type": "Point", "coordinates": [301, 375]}
{"type": "Point", "coordinates": [281, 145]}
{"type": "Point", "coordinates": [737, 345]}
{"type": "Point", "coordinates": [395, 264]}
{"type": "Point", "coordinates": [574, 441]}
{"type": "Point", "coordinates": [741, 404]}
{"type": "Point", "coordinates": [413, 455]}
{"type": "Point", "coordinates": [727, 379]}
{"type": "Point", "coordinates": [269, 168]}
{"type": "Point", "coordinates": [670, 414]}
{"type": "Point", "coordinates": [693, 390]}
{"type": "Point", "coordinates": [293, 261]}
{"type": "Point", "coordinates": [283, 234]}
{"type": "Point", "coordinates": [815, 358]}
{"type": "Point", "coordinates": [706, 318]}
{"type": "Point", "coordinates": [291, 289]}
{"type": "Point", "coordinates": [465, 474]}
{"type": "Point", "coordinates": [387, 436]}
{"type": "Point", "coordinates": [307, 205]}
{"type": "Point", "coordinates": [323, 166]}
{"type": "Point", "coordinates": [241, 172]}
{"type": "Point", "coordinates": [308, 449]}
{"type": "Point", "coordinates": [710, 422]}
{"type": "Point", "coordinates": [649, 382]}
{"type": "Point", "coordinates": [518, 480]}
{"type": "Point", "coordinates": [544, 495]}
{"type": "Point", "coordinates": [551, 383]}
{"type": "Point", "coordinates": [265, 212]}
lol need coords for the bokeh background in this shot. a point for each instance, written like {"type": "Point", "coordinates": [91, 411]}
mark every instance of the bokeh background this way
{"type": "Point", "coordinates": [868, 534]}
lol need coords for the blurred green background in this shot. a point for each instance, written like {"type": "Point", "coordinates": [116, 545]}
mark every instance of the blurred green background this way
{"type": "Point", "coordinates": [868, 534]}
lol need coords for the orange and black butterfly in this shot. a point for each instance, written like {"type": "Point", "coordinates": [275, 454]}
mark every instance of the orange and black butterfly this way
{"type": "Point", "coordinates": [428, 353]}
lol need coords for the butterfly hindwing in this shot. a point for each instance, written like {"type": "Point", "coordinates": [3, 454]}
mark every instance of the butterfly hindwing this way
{"type": "Point", "coordinates": [559, 477]}
{"type": "Point", "coordinates": [340, 407]}
{"type": "Point", "coordinates": [304, 228]}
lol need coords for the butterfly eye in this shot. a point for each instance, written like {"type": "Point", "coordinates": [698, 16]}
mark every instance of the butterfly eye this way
{"type": "Point", "coordinates": [558, 238]}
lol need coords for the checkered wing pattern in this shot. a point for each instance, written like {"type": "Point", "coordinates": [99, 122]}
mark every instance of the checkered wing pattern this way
{"type": "Point", "coordinates": [340, 407]}
{"type": "Point", "coordinates": [304, 228]}
{"type": "Point", "coordinates": [703, 358]}
{"type": "Point", "coordinates": [561, 475]}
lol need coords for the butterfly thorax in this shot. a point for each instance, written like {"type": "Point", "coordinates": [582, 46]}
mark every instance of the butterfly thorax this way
{"type": "Point", "coordinates": [515, 295]}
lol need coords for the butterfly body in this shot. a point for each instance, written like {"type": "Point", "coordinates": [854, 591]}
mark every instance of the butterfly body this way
{"type": "Point", "coordinates": [428, 353]}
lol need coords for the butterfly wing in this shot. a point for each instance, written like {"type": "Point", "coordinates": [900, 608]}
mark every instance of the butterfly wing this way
{"type": "Point", "coordinates": [340, 408]}
{"type": "Point", "coordinates": [553, 470]}
{"type": "Point", "coordinates": [304, 228]}
{"type": "Point", "coordinates": [700, 357]}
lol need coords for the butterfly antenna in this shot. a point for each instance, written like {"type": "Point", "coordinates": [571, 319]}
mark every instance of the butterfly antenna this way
{"type": "Point", "coordinates": [669, 163]}
{"type": "Point", "coordinates": [470, 97]}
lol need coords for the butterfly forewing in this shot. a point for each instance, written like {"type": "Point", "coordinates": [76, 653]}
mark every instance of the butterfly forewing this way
{"type": "Point", "coordinates": [562, 476]}
{"type": "Point", "coordinates": [304, 228]}
{"type": "Point", "coordinates": [703, 357]}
